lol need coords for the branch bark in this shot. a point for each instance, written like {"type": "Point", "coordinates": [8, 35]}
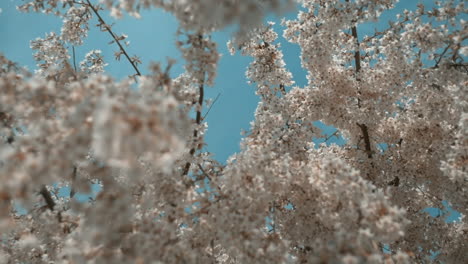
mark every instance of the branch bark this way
{"type": "Point", "coordinates": [72, 189]}
{"type": "Point", "coordinates": [357, 61]}
{"type": "Point", "coordinates": [47, 198]}
{"type": "Point", "coordinates": [198, 121]}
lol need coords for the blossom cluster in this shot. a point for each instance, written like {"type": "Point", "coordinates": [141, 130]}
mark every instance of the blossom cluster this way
{"type": "Point", "coordinates": [162, 199]}
{"type": "Point", "coordinates": [75, 25]}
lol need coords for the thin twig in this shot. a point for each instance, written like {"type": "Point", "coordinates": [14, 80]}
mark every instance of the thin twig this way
{"type": "Point", "coordinates": [330, 136]}
{"type": "Point", "coordinates": [273, 217]}
{"type": "Point", "coordinates": [204, 172]}
{"type": "Point", "coordinates": [431, 197]}
{"type": "Point", "coordinates": [216, 99]}
{"type": "Point", "coordinates": [441, 56]}
{"type": "Point", "coordinates": [114, 37]}
{"type": "Point", "coordinates": [74, 58]}
{"type": "Point", "coordinates": [392, 26]}
{"type": "Point", "coordinates": [80, 3]}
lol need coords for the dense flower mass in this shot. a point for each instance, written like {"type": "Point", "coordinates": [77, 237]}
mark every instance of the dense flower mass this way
{"type": "Point", "coordinates": [75, 25]}
{"type": "Point", "coordinates": [93, 62]}
{"type": "Point", "coordinates": [65, 128]}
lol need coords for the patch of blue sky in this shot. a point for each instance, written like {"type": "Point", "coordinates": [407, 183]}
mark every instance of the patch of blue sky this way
{"type": "Point", "coordinates": [212, 197]}
{"type": "Point", "coordinates": [382, 147]}
{"type": "Point", "coordinates": [63, 192]}
{"type": "Point", "coordinates": [155, 42]}
{"type": "Point", "coordinates": [200, 190]}
{"type": "Point", "coordinates": [386, 249]}
{"type": "Point", "coordinates": [207, 184]}
{"type": "Point", "coordinates": [81, 197]}
{"type": "Point", "coordinates": [192, 208]}
{"type": "Point", "coordinates": [450, 215]}
{"type": "Point", "coordinates": [269, 224]}
{"type": "Point", "coordinates": [160, 216]}
{"type": "Point", "coordinates": [19, 208]}
{"type": "Point", "coordinates": [289, 206]}
{"type": "Point", "coordinates": [330, 134]}
{"type": "Point", "coordinates": [203, 186]}
{"type": "Point", "coordinates": [20, 131]}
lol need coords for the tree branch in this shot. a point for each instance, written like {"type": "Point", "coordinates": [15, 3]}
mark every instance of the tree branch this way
{"type": "Point", "coordinates": [198, 121]}
{"type": "Point", "coordinates": [357, 61]}
{"type": "Point", "coordinates": [114, 37]}
{"type": "Point", "coordinates": [47, 197]}
{"type": "Point", "coordinates": [330, 136]}
{"type": "Point", "coordinates": [74, 58]}
{"type": "Point", "coordinates": [357, 54]}
{"type": "Point", "coordinates": [367, 144]}
{"type": "Point", "coordinates": [216, 99]}
{"type": "Point", "coordinates": [72, 189]}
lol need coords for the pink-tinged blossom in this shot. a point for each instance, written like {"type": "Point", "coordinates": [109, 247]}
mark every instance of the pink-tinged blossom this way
{"type": "Point", "coordinates": [75, 25]}
{"type": "Point", "coordinates": [163, 199]}
{"type": "Point", "coordinates": [93, 62]}
{"type": "Point", "coordinates": [51, 54]}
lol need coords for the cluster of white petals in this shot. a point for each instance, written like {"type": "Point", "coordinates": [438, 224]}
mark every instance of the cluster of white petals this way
{"type": "Point", "coordinates": [398, 97]}
{"type": "Point", "coordinates": [51, 54]}
{"type": "Point", "coordinates": [93, 62]}
{"type": "Point", "coordinates": [129, 124]}
{"type": "Point", "coordinates": [75, 25]}
{"type": "Point", "coordinates": [201, 55]}
{"type": "Point", "coordinates": [207, 14]}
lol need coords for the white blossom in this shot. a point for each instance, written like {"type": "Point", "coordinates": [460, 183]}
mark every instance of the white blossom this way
{"type": "Point", "coordinates": [93, 62]}
{"type": "Point", "coordinates": [75, 25]}
{"type": "Point", "coordinates": [163, 199]}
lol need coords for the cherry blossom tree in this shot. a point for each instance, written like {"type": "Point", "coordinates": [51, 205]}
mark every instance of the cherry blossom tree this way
{"type": "Point", "coordinates": [69, 125]}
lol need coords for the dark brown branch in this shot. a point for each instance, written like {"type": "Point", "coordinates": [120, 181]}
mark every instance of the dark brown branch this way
{"type": "Point", "coordinates": [395, 182]}
{"type": "Point", "coordinates": [357, 54]}
{"type": "Point", "coordinates": [114, 37]}
{"type": "Point", "coordinates": [6, 119]}
{"type": "Point", "coordinates": [47, 198]}
{"type": "Point", "coordinates": [282, 89]}
{"type": "Point", "coordinates": [357, 61]}
{"type": "Point", "coordinates": [365, 135]}
{"type": "Point", "coordinates": [72, 189]}
{"type": "Point", "coordinates": [198, 121]}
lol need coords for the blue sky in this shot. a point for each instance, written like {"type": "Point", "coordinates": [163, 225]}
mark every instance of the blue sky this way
{"type": "Point", "coordinates": [152, 38]}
